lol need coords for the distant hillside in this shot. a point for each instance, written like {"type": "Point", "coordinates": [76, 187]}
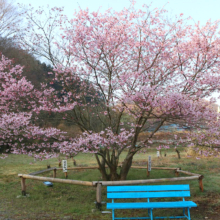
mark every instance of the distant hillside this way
{"type": "Point", "coordinates": [34, 70]}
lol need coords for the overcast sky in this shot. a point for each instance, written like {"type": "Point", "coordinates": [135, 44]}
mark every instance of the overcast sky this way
{"type": "Point", "coordinates": [199, 10]}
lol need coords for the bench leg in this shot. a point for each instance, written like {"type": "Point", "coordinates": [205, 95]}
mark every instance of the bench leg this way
{"type": "Point", "coordinates": [189, 214]}
{"type": "Point", "coordinates": [113, 214]}
{"type": "Point", "coordinates": [184, 211]}
{"type": "Point", "coordinates": [151, 214]}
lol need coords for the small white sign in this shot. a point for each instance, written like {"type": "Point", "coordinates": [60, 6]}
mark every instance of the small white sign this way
{"type": "Point", "coordinates": [158, 153]}
{"type": "Point", "coordinates": [149, 163]}
{"type": "Point", "coordinates": [64, 163]}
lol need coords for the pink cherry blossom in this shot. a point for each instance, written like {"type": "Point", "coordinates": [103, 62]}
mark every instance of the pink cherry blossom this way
{"type": "Point", "coordinates": [126, 72]}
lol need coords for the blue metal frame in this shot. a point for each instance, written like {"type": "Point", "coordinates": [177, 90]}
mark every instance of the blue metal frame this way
{"type": "Point", "coordinates": [133, 218]}
{"type": "Point", "coordinates": [150, 213]}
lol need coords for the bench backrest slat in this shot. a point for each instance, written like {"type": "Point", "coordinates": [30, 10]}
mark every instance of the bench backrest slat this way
{"type": "Point", "coordinates": [131, 195]}
{"type": "Point", "coordinates": [147, 188]}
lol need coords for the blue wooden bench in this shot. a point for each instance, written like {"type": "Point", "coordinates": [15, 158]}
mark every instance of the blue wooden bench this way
{"type": "Point", "coordinates": [148, 193]}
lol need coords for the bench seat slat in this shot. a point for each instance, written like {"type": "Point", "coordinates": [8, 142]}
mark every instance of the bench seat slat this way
{"type": "Point", "coordinates": [151, 205]}
{"type": "Point", "coordinates": [132, 195]}
{"type": "Point", "coordinates": [147, 188]}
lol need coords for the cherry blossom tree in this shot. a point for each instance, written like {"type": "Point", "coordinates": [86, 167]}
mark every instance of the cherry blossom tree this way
{"type": "Point", "coordinates": [142, 66]}
{"type": "Point", "coordinates": [205, 140]}
{"type": "Point", "coordinates": [18, 101]}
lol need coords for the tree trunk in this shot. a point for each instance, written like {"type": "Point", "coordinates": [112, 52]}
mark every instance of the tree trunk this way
{"type": "Point", "coordinates": [102, 168]}
{"type": "Point", "coordinates": [126, 166]}
{"type": "Point", "coordinates": [105, 176]}
{"type": "Point", "coordinates": [114, 176]}
{"type": "Point", "coordinates": [112, 164]}
{"type": "Point", "coordinates": [178, 153]}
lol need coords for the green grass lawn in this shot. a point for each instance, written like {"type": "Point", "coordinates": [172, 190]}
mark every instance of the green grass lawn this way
{"type": "Point", "coordinates": [65, 201]}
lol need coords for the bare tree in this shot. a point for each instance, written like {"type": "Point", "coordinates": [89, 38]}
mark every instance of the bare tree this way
{"type": "Point", "coordinates": [43, 34]}
{"type": "Point", "coordinates": [9, 18]}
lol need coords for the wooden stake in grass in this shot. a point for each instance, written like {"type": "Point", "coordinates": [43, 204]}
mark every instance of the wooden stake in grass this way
{"type": "Point", "coordinates": [54, 173]}
{"type": "Point", "coordinates": [66, 175]}
{"type": "Point", "coordinates": [200, 183]}
{"type": "Point", "coordinates": [74, 162]}
{"type": "Point", "coordinates": [99, 196]}
{"type": "Point", "coordinates": [23, 187]}
{"type": "Point", "coordinates": [148, 166]}
{"type": "Point", "coordinates": [176, 172]}
{"type": "Point", "coordinates": [148, 173]}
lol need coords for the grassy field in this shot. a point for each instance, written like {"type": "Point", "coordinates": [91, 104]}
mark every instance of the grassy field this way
{"type": "Point", "coordinates": [65, 201]}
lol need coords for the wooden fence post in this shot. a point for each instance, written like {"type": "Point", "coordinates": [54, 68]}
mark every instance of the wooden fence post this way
{"type": "Point", "coordinates": [54, 173]}
{"type": "Point", "coordinates": [148, 172]}
{"type": "Point", "coordinates": [23, 187]}
{"type": "Point", "coordinates": [66, 175]}
{"type": "Point", "coordinates": [99, 195]}
{"type": "Point", "coordinates": [176, 172]}
{"type": "Point", "coordinates": [200, 183]}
